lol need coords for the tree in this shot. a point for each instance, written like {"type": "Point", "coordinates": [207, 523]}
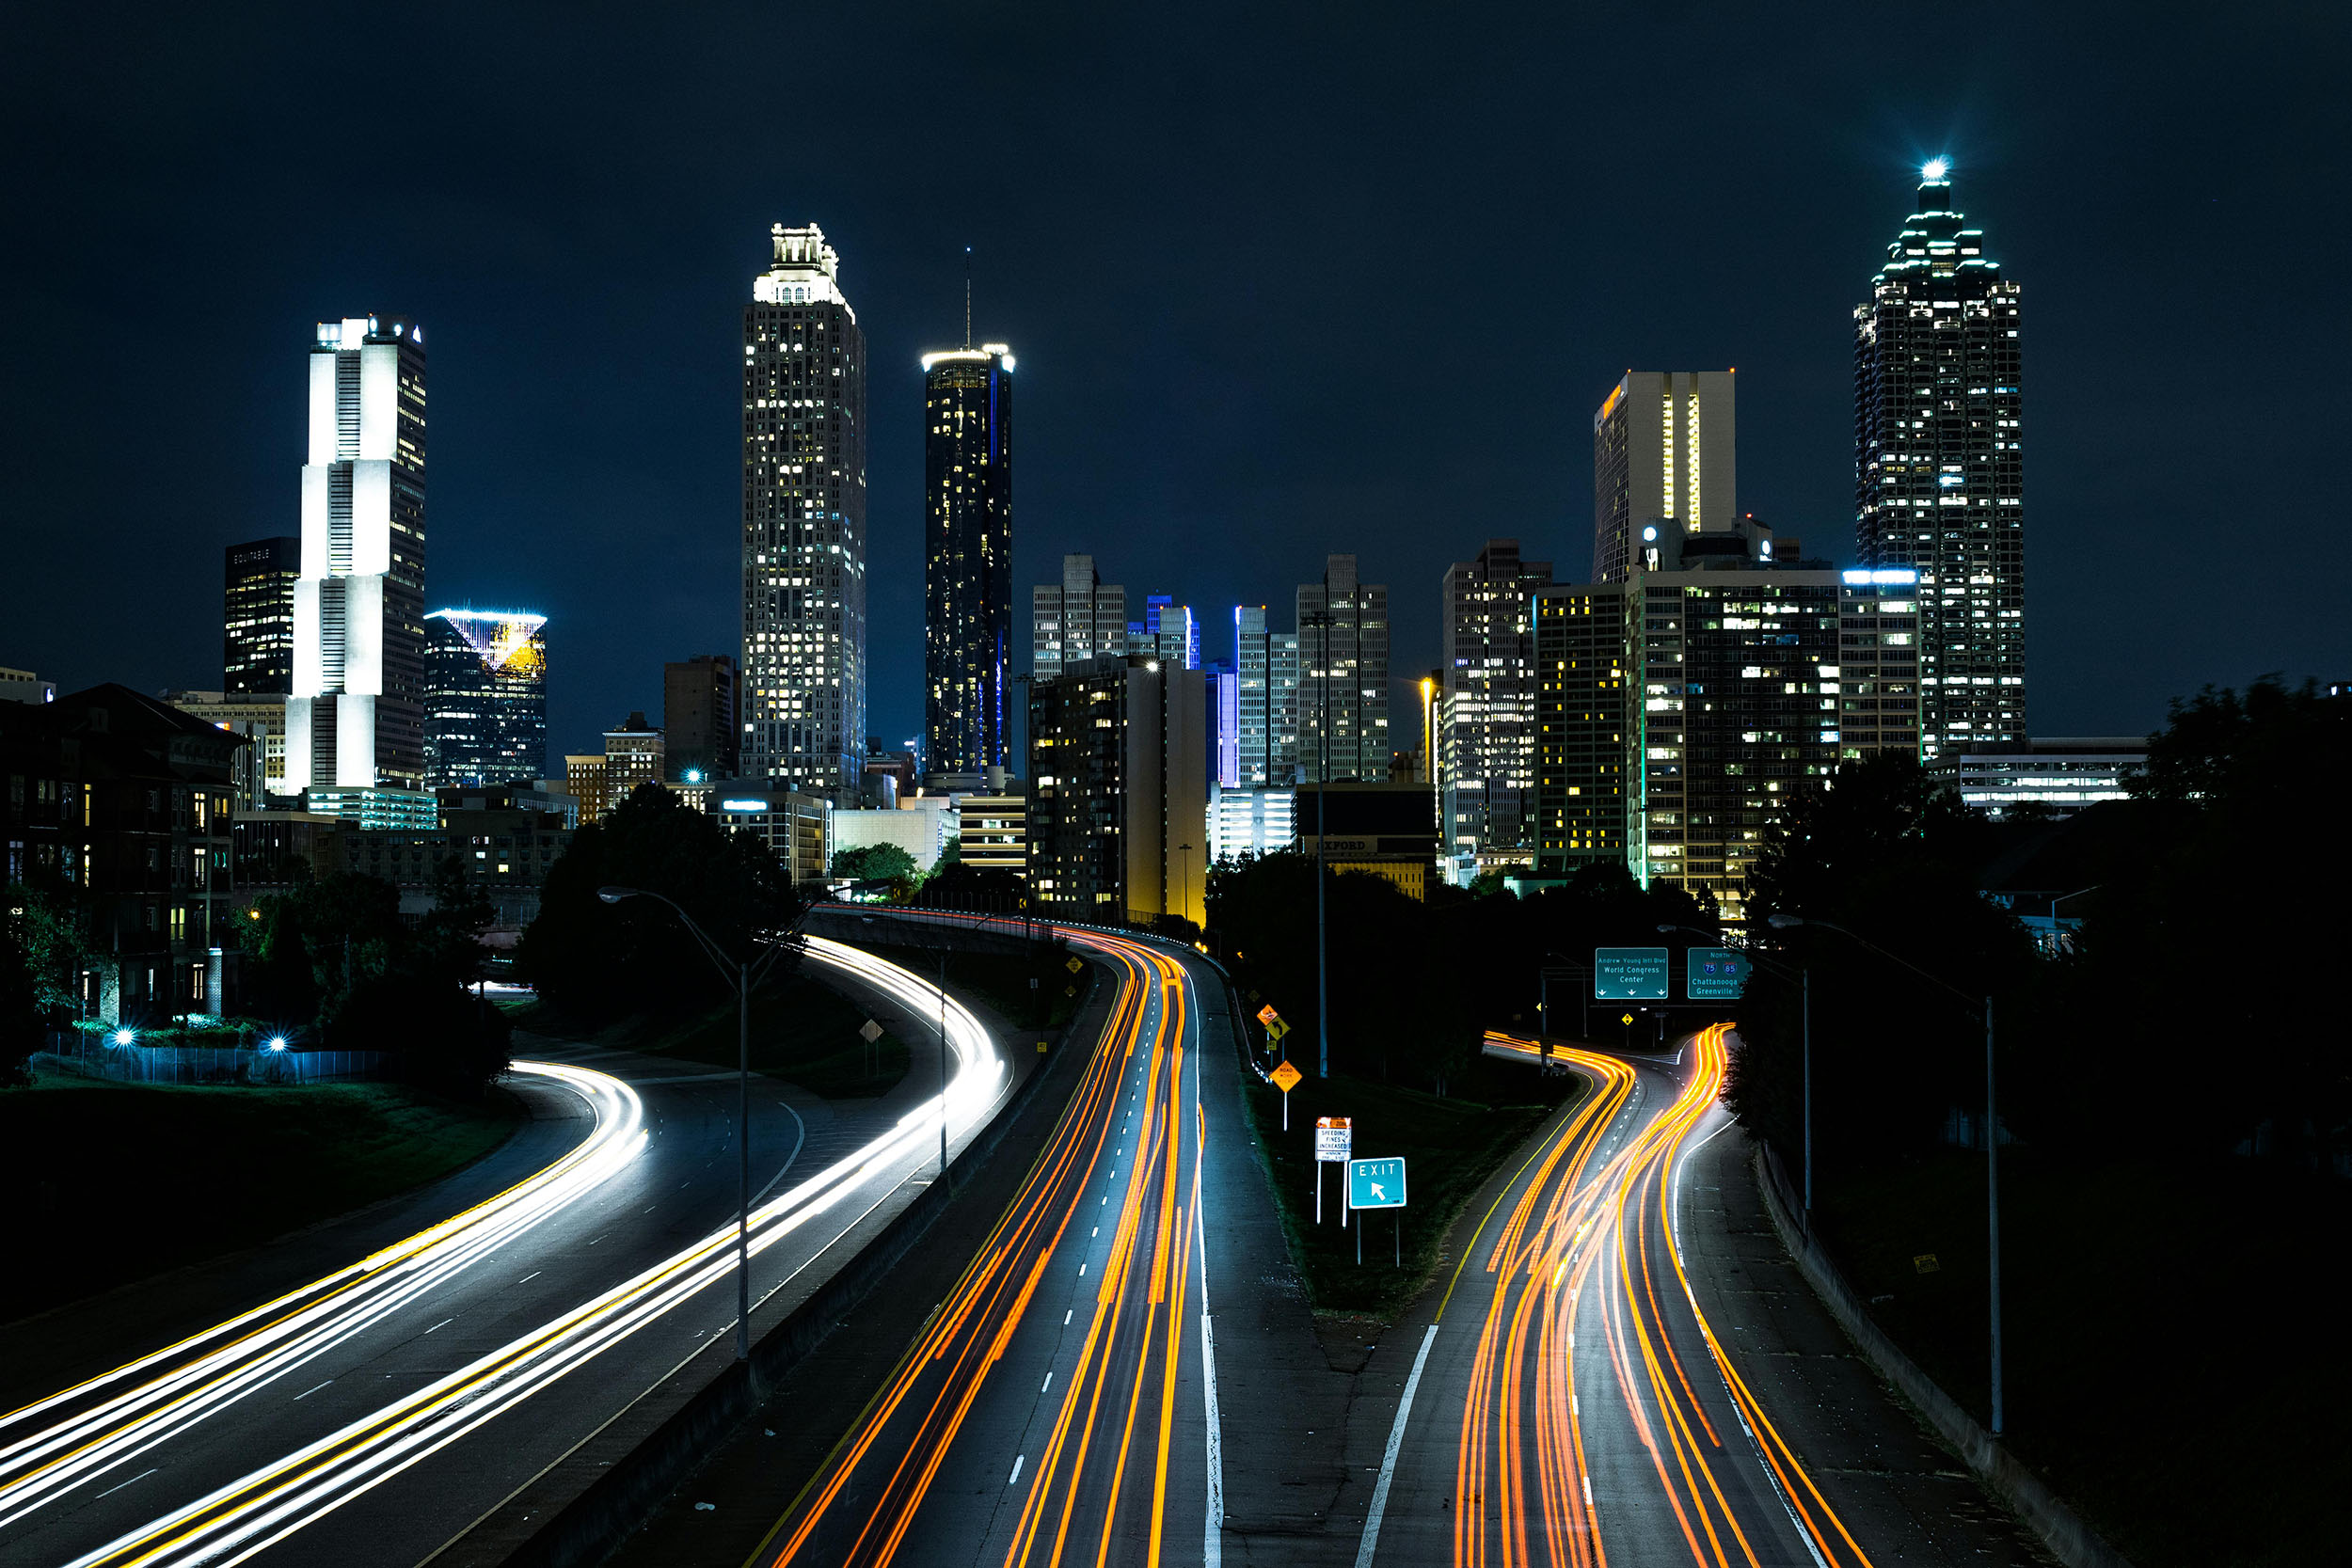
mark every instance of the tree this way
{"type": "Point", "coordinates": [22, 1026]}
{"type": "Point", "coordinates": [599, 961]}
{"type": "Point", "coordinates": [874, 863]}
{"type": "Point", "coordinates": [1885, 850]}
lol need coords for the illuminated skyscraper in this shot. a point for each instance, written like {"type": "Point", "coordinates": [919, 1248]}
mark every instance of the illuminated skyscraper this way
{"type": "Point", "coordinates": [1079, 618]}
{"type": "Point", "coordinates": [257, 621]}
{"type": "Point", "coordinates": [1344, 687]}
{"type": "Point", "coordinates": [1167, 632]}
{"type": "Point", "coordinates": [967, 556]}
{"type": "Point", "coordinates": [1487, 722]}
{"type": "Point", "coordinates": [801, 700]}
{"type": "Point", "coordinates": [1266, 665]}
{"type": "Point", "coordinates": [486, 698]}
{"type": "Point", "coordinates": [354, 719]}
{"type": "Point", "coordinates": [1663, 452]}
{"type": "Point", "coordinates": [1939, 474]}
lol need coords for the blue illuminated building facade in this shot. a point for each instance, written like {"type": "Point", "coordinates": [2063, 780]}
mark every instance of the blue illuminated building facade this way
{"type": "Point", "coordinates": [967, 557]}
{"type": "Point", "coordinates": [486, 698]}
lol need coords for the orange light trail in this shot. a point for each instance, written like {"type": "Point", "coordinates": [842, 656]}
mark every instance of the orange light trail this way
{"type": "Point", "coordinates": [1090, 1472]}
{"type": "Point", "coordinates": [1603, 1227]}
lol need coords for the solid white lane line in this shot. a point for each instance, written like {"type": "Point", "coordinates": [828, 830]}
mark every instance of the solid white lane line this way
{"type": "Point", "coordinates": [312, 1389]}
{"type": "Point", "coordinates": [1388, 1460]}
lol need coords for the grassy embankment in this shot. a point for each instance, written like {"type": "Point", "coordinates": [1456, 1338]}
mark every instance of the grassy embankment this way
{"type": "Point", "coordinates": [2172, 1337]}
{"type": "Point", "coordinates": [111, 1182]}
{"type": "Point", "coordinates": [1449, 1147]}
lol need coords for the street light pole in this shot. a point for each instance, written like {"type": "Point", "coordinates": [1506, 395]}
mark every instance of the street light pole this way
{"type": "Point", "coordinates": [1991, 1148]}
{"type": "Point", "coordinates": [744, 976]}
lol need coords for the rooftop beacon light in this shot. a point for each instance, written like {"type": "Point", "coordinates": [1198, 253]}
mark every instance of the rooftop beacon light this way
{"type": "Point", "coordinates": [1934, 169]}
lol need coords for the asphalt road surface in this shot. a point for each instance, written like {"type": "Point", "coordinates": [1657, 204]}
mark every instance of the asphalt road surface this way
{"type": "Point", "coordinates": [1572, 1403]}
{"type": "Point", "coordinates": [368, 1415]}
{"type": "Point", "coordinates": [1059, 1405]}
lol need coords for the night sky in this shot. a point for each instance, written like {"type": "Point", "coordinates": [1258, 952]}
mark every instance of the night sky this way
{"type": "Point", "coordinates": [1352, 281]}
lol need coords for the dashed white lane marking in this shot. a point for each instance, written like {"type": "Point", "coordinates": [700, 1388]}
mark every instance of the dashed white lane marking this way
{"type": "Point", "coordinates": [312, 1389]}
{"type": "Point", "coordinates": [141, 1476]}
{"type": "Point", "coordinates": [1018, 1459]}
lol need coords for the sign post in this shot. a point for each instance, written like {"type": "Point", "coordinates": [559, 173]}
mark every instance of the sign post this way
{"type": "Point", "coordinates": [1715, 974]}
{"type": "Point", "coordinates": [1335, 1138]}
{"type": "Point", "coordinates": [1285, 1078]}
{"type": "Point", "coordinates": [1377, 1184]}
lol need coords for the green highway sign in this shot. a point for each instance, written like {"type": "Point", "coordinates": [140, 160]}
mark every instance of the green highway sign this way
{"type": "Point", "coordinates": [1632, 974]}
{"type": "Point", "coordinates": [1375, 1183]}
{"type": "Point", "coordinates": [1715, 974]}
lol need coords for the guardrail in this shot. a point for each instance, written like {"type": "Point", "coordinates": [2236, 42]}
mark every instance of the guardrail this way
{"type": "Point", "coordinates": [2058, 1526]}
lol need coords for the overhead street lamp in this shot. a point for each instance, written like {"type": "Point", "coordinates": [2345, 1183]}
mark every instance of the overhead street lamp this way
{"type": "Point", "coordinates": [743, 974]}
{"type": "Point", "coordinates": [1804, 1013]}
{"type": "Point", "coordinates": [1991, 1133]}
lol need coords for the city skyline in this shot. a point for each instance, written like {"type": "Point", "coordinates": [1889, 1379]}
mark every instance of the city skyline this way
{"type": "Point", "coordinates": [1270, 470]}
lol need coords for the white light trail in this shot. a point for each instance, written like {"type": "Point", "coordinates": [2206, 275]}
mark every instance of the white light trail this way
{"type": "Point", "coordinates": [250, 1514]}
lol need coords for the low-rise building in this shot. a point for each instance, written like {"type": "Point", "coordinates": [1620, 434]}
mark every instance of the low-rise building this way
{"type": "Point", "coordinates": [260, 718]}
{"type": "Point", "coordinates": [1389, 830]}
{"type": "Point", "coordinates": [124, 801]}
{"type": "Point", "coordinates": [791, 823]}
{"type": "Point", "coordinates": [2050, 775]}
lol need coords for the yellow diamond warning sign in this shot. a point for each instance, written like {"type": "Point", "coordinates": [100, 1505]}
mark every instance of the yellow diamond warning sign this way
{"type": "Point", "coordinates": [1285, 1077]}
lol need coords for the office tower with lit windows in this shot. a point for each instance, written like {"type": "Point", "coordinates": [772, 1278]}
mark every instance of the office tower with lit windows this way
{"type": "Point", "coordinates": [1078, 618]}
{"type": "Point", "coordinates": [355, 711]}
{"type": "Point", "coordinates": [967, 556]}
{"type": "Point", "coordinates": [1739, 670]}
{"type": "Point", "coordinates": [698, 708]}
{"type": "Point", "coordinates": [1577, 632]}
{"type": "Point", "coordinates": [1265, 668]}
{"type": "Point", "coordinates": [1485, 721]}
{"type": "Point", "coordinates": [800, 702]}
{"type": "Point", "coordinates": [485, 691]}
{"type": "Point", "coordinates": [257, 621]}
{"type": "Point", "coordinates": [1939, 471]}
{"type": "Point", "coordinates": [1664, 446]}
{"type": "Point", "coordinates": [1118, 823]}
{"type": "Point", "coordinates": [1344, 685]}
{"type": "Point", "coordinates": [1167, 632]}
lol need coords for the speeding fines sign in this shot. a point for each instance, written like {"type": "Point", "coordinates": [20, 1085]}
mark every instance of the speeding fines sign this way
{"type": "Point", "coordinates": [1335, 1137]}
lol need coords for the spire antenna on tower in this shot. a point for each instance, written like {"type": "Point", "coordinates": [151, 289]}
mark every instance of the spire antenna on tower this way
{"type": "Point", "coordinates": [968, 296]}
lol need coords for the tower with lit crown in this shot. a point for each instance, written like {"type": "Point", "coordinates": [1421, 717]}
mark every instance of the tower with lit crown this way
{"type": "Point", "coordinates": [1938, 465]}
{"type": "Point", "coordinates": [800, 702]}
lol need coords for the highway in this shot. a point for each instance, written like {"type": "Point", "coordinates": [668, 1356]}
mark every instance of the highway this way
{"type": "Point", "coordinates": [373, 1413]}
{"type": "Point", "coordinates": [1058, 1406]}
{"type": "Point", "coordinates": [1573, 1404]}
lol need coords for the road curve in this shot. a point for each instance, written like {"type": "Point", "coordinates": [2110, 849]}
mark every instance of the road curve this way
{"type": "Point", "coordinates": [148, 1425]}
{"type": "Point", "coordinates": [1059, 1405]}
{"type": "Point", "coordinates": [1577, 1407]}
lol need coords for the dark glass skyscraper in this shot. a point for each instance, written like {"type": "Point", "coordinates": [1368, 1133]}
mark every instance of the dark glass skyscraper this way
{"type": "Point", "coordinates": [967, 556]}
{"type": "Point", "coordinates": [1938, 471]}
{"type": "Point", "coordinates": [486, 698]}
{"type": "Point", "coordinates": [257, 620]}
